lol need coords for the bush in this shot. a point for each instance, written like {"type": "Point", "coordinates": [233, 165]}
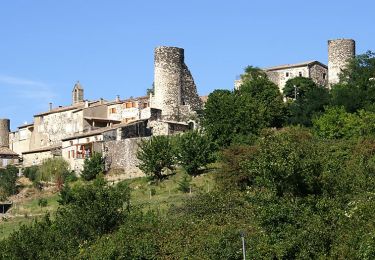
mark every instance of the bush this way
{"type": "Point", "coordinates": [93, 166]}
{"type": "Point", "coordinates": [8, 178]}
{"type": "Point", "coordinates": [31, 173]}
{"type": "Point", "coordinates": [185, 184]}
{"type": "Point", "coordinates": [156, 155]}
{"type": "Point", "coordinates": [42, 202]}
{"type": "Point", "coordinates": [194, 151]}
{"type": "Point", "coordinates": [53, 169]}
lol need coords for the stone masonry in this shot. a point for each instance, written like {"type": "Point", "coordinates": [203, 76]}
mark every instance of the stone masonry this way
{"type": "Point", "coordinates": [339, 52]}
{"type": "Point", "coordinates": [174, 84]}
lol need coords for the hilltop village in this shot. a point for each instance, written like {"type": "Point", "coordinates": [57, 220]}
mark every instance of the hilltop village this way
{"type": "Point", "coordinates": [114, 128]}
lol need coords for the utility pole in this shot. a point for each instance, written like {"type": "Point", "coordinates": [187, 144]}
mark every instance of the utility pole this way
{"type": "Point", "coordinates": [242, 233]}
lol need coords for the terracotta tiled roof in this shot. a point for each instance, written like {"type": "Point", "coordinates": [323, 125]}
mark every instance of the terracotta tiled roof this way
{"type": "Point", "coordinates": [294, 65]}
{"type": "Point", "coordinates": [6, 151]}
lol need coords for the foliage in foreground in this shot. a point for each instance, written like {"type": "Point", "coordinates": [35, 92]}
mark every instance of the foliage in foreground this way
{"type": "Point", "coordinates": [155, 156]}
{"type": "Point", "coordinates": [8, 178]}
{"type": "Point", "coordinates": [92, 167]}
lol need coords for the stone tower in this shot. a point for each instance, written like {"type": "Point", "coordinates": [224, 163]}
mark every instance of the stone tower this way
{"type": "Point", "coordinates": [77, 93]}
{"type": "Point", "coordinates": [4, 132]}
{"type": "Point", "coordinates": [339, 52]}
{"type": "Point", "coordinates": [175, 92]}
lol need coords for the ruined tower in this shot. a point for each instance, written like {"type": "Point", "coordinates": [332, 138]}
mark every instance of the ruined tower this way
{"type": "Point", "coordinates": [339, 52]}
{"type": "Point", "coordinates": [175, 92]}
{"type": "Point", "coordinates": [77, 93]}
{"type": "Point", "coordinates": [4, 132]}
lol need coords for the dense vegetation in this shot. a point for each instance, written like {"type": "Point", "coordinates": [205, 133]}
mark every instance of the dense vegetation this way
{"type": "Point", "coordinates": [296, 177]}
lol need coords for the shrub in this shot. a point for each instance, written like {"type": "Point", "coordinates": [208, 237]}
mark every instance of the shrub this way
{"type": "Point", "coordinates": [93, 166]}
{"type": "Point", "coordinates": [155, 155]}
{"type": "Point", "coordinates": [8, 178]}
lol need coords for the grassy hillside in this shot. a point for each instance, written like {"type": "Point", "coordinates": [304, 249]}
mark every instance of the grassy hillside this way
{"type": "Point", "coordinates": [145, 193]}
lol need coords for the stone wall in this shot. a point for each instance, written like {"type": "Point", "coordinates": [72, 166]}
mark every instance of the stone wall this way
{"type": "Point", "coordinates": [122, 154]}
{"type": "Point", "coordinates": [36, 158]}
{"type": "Point", "coordinates": [4, 132]}
{"type": "Point", "coordinates": [339, 52]}
{"type": "Point", "coordinates": [189, 94]}
{"type": "Point", "coordinates": [168, 80]}
{"type": "Point", "coordinates": [319, 75]}
{"type": "Point", "coordinates": [175, 92]}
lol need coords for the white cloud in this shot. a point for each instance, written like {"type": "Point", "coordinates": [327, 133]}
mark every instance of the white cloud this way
{"type": "Point", "coordinates": [29, 89]}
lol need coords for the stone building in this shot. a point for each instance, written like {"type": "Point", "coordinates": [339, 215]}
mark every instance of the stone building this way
{"type": "Point", "coordinates": [339, 52]}
{"type": "Point", "coordinates": [113, 128]}
{"type": "Point", "coordinates": [315, 70]}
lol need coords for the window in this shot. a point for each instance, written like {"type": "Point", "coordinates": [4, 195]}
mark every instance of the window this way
{"type": "Point", "coordinates": [145, 105]}
{"type": "Point", "coordinates": [324, 76]}
{"type": "Point", "coordinates": [287, 74]}
{"type": "Point", "coordinates": [300, 74]}
{"type": "Point", "coordinates": [129, 104]}
{"type": "Point", "coordinates": [134, 104]}
{"type": "Point", "coordinates": [71, 143]}
{"type": "Point", "coordinates": [112, 110]}
{"type": "Point", "coordinates": [73, 154]}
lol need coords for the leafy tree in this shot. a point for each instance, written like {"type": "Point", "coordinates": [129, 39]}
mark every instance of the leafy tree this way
{"type": "Point", "coordinates": [238, 117]}
{"type": "Point", "coordinates": [194, 151]}
{"type": "Point", "coordinates": [218, 116]}
{"type": "Point", "coordinates": [8, 178]}
{"type": "Point", "coordinates": [155, 155]}
{"type": "Point", "coordinates": [356, 89]}
{"type": "Point", "coordinates": [93, 166]}
{"type": "Point", "coordinates": [53, 169]}
{"type": "Point", "coordinates": [337, 123]}
{"type": "Point", "coordinates": [251, 73]}
{"type": "Point", "coordinates": [310, 100]}
{"type": "Point", "coordinates": [31, 173]}
{"type": "Point", "coordinates": [96, 209]}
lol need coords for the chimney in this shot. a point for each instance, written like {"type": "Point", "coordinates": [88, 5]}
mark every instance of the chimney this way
{"type": "Point", "coordinates": [50, 106]}
{"type": "Point", "coordinates": [101, 100]}
{"type": "Point", "coordinates": [118, 98]}
{"type": "Point", "coordinates": [86, 103]}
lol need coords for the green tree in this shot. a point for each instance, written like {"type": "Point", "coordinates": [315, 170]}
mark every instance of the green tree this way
{"type": "Point", "coordinates": [156, 155]}
{"type": "Point", "coordinates": [336, 123]}
{"type": "Point", "coordinates": [8, 179]}
{"type": "Point", "coordinates": [53, 169]}
{"type": "Point", "coordinates": [194, 151]}
{"type": "Point", "coordinates": [310, 100]}
{"type": "Point", "coordinates": [218, 116]}
{"type": "Point", "coordinates": [93, 166]}
{"type": "Point", "coordinates": [238, 117]}
{"type": "Point", "coordinates": [356, 89]}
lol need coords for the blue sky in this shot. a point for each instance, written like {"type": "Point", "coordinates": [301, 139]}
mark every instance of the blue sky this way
{"type": "Point", "coordinates": [46, 46]}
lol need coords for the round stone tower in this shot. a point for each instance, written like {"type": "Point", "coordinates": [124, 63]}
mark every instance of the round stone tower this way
{"type": "Point", "coordinates": [4, 132]}
{"type": "Point", "coordinates": [168, 75]}
{"type": "Point", "coordinates": [339, 52]}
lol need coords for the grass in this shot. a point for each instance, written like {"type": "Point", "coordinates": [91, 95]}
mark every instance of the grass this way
{"type": "Point", "coordinates": [162, 195]}
{"type": "Point", "coordinates": [149, 195]}
{"type": "Point", "coordinates": [26, 211]}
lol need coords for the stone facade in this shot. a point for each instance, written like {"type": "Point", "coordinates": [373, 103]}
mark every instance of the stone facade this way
{"type": "Point", "coordinates": [122, 154]}
{"type": "Point", "coordinates": [281, 74]}
{"type": "Point", "coordinates": [175, 93]}
{"type": "Point", "coordinates": [310, 69]}
{"type": "Point", "coordinates": [77, 94]}
{"type": "Point", "coordinates": [339, 52]}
